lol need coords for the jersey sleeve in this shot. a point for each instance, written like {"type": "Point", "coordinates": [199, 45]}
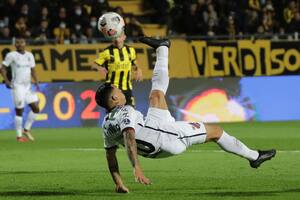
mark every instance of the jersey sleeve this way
{"type": "Point", "coordinates": [8, 60]}
{"type": "Point", "coordinates": [103, 56]}
{"type": "Point", "coordinates": [128, 118]}
{"type": "Point", "coordinates": [109, 143]}
{"type": "Point", "coordinates": [32, 61]}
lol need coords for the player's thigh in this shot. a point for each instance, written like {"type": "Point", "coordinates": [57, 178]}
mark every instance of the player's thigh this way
{"type": "Point", "coordinates": [31, 99]}
{"type": "Point", "coordinates": [157, 100]}
{"type": "Point", "coordinates": [188, 133]}
{"type": "Point", "coordinates": [156, 117]}
{"type": "Point", "coordinates": [19, 94]}
{"type": "Point", "coordinates": [172, 145]}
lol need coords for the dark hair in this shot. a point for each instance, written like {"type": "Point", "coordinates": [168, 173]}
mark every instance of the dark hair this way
{"type": "Point", "coordinates": [102, 95]}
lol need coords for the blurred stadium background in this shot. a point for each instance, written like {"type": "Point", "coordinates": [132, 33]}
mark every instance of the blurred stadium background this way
{"type": "Point", "coordinates": [230, 61]}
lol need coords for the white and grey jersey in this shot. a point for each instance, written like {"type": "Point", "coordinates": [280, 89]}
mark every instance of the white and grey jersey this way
{"type": "Point", "coordinates": [157, 137]}
{"type": "Point", "coordinates": [124, 117]}
{"type": "Point", "coordinates": [116, 121]}
{"type": "Point", "coordinates": [21, 65]}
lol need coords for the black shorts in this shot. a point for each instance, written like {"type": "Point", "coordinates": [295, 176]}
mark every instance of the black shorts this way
{"type": "Point", "coordinates": [129, 98]}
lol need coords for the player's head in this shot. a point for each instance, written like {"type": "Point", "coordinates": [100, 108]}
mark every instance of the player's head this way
{"type": "Point", "coordinates": [20, 43]}
{"type": "Point", "coordinates": [108, 96]}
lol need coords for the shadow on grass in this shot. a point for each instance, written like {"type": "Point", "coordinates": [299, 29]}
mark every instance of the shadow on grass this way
{"type": "Point", "coordinates": [111, 193]}
{"type": "Point", "coordinates": [55, 193]}
{"type": "Point", "coordinates": [250, 193]}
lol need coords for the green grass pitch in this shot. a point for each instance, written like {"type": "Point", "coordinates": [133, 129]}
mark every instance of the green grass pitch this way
{"type": "Point", "coordinates": [70, 164]}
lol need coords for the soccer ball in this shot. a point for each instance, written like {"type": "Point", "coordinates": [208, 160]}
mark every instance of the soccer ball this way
{"type": "Point", "coordinates": [111, 24]}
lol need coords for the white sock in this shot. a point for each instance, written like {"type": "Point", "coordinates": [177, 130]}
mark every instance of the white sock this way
{"type": "Point", "coordinates": [18, 125]}
{"type": "Point", "coordinates": [30, 119]}
{"type": "Point", "coordinates": [160, 79]}
{"type": "Point", "coordinates": [231, 144]}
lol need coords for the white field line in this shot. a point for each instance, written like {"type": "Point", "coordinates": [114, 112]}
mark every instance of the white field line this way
{"type": "Point", "coordinates": [188, 151]}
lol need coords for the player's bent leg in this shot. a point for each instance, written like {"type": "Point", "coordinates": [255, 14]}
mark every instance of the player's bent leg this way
{"type": "Point", "coordinates": [213, 132]}
{"type": "Point", "coordinates": [233, 145]}
{"type": "Point", "coordinates": [157, 100]}
{"type": "Point", "coordinates": [34, 107]}
{"type": "Point", "coordinates": [30, 120]}
{"type": "Point", "coordinates": [18, 124]}
{"type": "Point", "coordinates": [160, 78]}
{"type": "Point", "coordinates": [229, 143]}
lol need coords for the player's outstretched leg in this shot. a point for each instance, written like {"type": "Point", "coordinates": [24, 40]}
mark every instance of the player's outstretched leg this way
{"type": "Point", "coordinates": [231, 144]}
{"type": "Point", "coordinates": [155, 43]}
{"type": "Point", "coordinates": [18, 125]}
{"type": "Point", "coordinates": [160, 78]}
{"type": "Point", "coordinates": [30, 120]}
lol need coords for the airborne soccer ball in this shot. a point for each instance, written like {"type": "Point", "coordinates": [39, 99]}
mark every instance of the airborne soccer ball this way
{"type": "Point", "coordinates": [111, 24]}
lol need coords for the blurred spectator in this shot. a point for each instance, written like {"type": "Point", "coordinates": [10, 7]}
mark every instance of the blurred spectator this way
{"type": "Point", "coordinates": [77, 19]}
{"type": "Point", "coordinates": [44, 14]}
{"type": "Point", "coordinates": [192, 24]}
{"type": "Point", "coordinates": [267, 19]}
{"type": "Point", "coordinates": [119, 10]}
{"type": "Point", "coordinates": [99, 7]}
{"type": "Point", "coordinates": [254, 4]}
{"type": "Point", "coordinates": [62, 33]}
{"type": "Point", "coordinates": [289, 12]}
{"type": "Point", "coordinates": [94, 28]}
{"type": "Point", "coordinates": [133, 27]}
{"type": "Point", "coordinates": [10, 10]}
{"type": "Point", "coordinates": [5, 33]}
{"type": "Point", "coordinates": [251, 21]}
{"type": "Point", "coordinates": [90, 35]}
{"type": "Point", "coordinates": [4, 21]}
{"type": "Point", "coordinates": [211, 14]}
{"type": "Point", "coordinates": [21, 29]}
{"type": "Point", "coordinates": [295, 24]}
{"type": "Point", "coordinates": [231, 27]}
{"type": "Point", "coordinates": [42, 33]}
{"type": "Point", "coordinates": [61, 18]}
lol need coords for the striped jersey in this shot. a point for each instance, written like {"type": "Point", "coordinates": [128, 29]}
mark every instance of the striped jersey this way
{"type": "Point", "coordinates": [118, 63]}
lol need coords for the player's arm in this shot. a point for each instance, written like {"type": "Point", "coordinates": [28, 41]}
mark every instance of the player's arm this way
{"type": "Point", "coordinates": [131, 147]}
{"type": "Point", "coordinates": [97, 65]}
{"type": "Point", "coordinates": [114, 169]}
{"type": "Point", "coordinates": [34, 77]}
{"type": "Point", "coordinates": [100, 68]}
{"type": "Point", "coordinates": [137, 73]}
{"type": "Point", "coordinates": [3, 73]}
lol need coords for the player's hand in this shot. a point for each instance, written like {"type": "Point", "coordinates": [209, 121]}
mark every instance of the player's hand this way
{"type": "Point", "coordinates": [100, 69]}
{"type": "Point", "coordinates": [140, 178]}
{"type": "Point", "coordinates": [121, 189]}
{"type": "Point", "coordinates": [138, 75]}
{"type": "Point", "coordinates": [8, 84]}
{"type": "Point", "coordinates": [37, 87]}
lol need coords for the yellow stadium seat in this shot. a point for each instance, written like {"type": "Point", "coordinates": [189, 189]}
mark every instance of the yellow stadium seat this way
{"type": "Point", "coordinates": [129, 6]}
{"type": "Point", "coordinates": [154, 30]}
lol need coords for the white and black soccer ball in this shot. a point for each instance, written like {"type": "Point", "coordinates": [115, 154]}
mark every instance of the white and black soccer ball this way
{"type": "Point", "coordinates": [111, 24]}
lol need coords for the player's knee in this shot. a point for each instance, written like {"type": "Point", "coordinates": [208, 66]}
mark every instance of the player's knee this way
{"type": "Point", "coordinates": [35, 109]}
{"type": "Point", "coordinates": [177, 149]}
{"type": "Point", "coordinates": [156, 95]}
{"type": "Point", "coordinates": [214, 132]}
{"type": "Point", "coordinates": [19, 111]}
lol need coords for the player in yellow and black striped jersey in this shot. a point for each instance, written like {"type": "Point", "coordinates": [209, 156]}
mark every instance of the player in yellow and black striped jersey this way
{"type": "Point", "coordinates": [118, 62]}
